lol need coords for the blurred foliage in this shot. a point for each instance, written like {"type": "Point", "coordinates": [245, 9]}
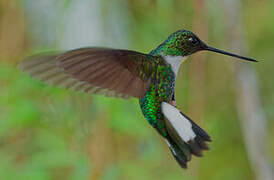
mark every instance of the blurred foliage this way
{"type": "Point", "coordinates": [51, 133]}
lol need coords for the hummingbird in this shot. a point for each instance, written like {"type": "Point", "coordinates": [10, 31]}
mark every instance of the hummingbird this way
{"type": "Point", "coordinates": [129, 74]}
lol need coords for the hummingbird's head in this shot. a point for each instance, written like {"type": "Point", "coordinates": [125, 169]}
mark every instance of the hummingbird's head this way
{"type": "Point", "coordinates": [185, 43]}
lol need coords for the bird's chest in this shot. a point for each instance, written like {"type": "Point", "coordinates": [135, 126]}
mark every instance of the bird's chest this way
{"type": "Point", "coordinates": [165, 83]}
{"type": "Point", "coordinates": [166, 77]}
{"type": "Point", "coordinates": [161, 90]}
{"type": "Point", "coordinates": [174, 62]}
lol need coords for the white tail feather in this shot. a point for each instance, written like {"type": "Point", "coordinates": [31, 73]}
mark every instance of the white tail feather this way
{"type": "Point", "coordinates": [181, 124]}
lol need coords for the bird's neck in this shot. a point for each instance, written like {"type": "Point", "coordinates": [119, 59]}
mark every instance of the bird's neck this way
{"type": "Point", "coordinates": [175, 62]}
{"type": "Point", "coordinates": [170, 55]}
{"type": "Point", "coordinates": [170, 47]}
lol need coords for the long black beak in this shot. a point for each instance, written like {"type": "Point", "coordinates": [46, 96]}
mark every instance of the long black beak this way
{"type": "Point", "coordinates": [208, 48]}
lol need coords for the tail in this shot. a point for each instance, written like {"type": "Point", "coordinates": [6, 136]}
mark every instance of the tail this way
{"type": "Point", "coordinates": [184, 136]}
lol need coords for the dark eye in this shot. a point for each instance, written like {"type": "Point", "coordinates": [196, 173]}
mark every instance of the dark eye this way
{"type": "Point", "coordinates": [192, 40]}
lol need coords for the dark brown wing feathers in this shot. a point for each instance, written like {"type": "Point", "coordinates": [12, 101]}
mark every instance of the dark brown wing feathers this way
{"type": "Point", "coordinates": [96, 70]}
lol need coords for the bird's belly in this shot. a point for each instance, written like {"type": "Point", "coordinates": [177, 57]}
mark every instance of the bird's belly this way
{"type": "Point", "coordinates": [151, 106]}
{"type": "Point", "coordinates": [161, 90]}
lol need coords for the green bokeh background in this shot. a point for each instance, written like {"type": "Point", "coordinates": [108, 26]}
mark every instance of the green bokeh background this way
{"type": "Point", "coordinates": [51, 133]}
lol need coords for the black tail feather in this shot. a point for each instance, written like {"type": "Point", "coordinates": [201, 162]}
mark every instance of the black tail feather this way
{"type": "Point", "coordinates": [198, 131]}
{"type": "Point", "coordinates": [195, 148]}
{"type": "Point", "coordinates": [182, 151]}
{"type": "Point", "coordinates": [182, 155]}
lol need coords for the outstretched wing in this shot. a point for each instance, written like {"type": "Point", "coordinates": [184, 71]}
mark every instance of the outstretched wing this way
{"type": "Point", "coordinates": [120, 73]}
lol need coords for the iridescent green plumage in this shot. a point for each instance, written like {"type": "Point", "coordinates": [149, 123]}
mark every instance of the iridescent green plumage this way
{"type": "Point", "coordinates": [125, 73]}
{"type": "Point", "coordinates": [161, 90]}
{"type": "Point", "coordinates": [177, 44]}
{"type": "Point", "coordinates": [163, 87]}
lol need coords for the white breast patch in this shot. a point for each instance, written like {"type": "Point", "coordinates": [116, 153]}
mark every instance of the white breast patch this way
{"type": "Point", "coordinates": [175, 62]}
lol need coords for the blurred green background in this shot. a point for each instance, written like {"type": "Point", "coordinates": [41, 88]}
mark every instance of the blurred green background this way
{"type": "Point", "coordinates": [49, 133]}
